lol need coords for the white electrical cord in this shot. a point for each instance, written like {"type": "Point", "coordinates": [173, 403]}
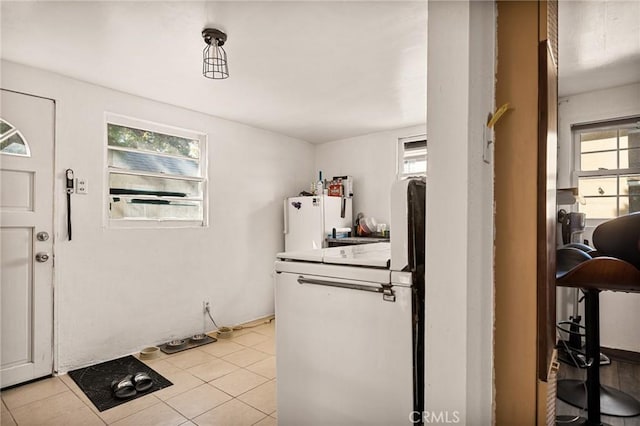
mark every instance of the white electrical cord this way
{"type": "Point", "coordinates": [212, 320]}
{"type": "Point", "coordinates": [237, 327]}
{"type": "Point", "coordinates": [584, 383]}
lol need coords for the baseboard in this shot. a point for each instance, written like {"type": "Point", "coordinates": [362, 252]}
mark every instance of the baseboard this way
{"type": "Point", "coordinates": [621, 355]}
{"type": "Point", "coordinates": [547, 391]}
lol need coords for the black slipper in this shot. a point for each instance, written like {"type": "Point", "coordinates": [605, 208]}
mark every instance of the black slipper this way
{"type": "Point", "coordinates": [142, 382]}
{"type": "Point", "coordinates": [123, 388]}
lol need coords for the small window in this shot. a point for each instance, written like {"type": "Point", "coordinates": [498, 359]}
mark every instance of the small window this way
{"type": "Point", "coordinates": [412, 156]}
{"type": "Point", "coordinates": [155, 174]}
{"type": "Point", "coordinates": [607, 158]}
{"type": "Point", "coordinates": [11, 141]}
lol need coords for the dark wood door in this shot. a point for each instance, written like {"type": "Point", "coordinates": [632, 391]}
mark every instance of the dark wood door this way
{"type": "Point", "coordinates": [546, 227]}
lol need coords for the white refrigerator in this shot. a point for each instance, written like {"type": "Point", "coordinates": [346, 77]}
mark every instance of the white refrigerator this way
{"type": "Point", "coordinates": [309, 220]}
{"type": "Point", "coordinates": [350, 326]}
{"type": "Point", "coordinates": [343, 338]}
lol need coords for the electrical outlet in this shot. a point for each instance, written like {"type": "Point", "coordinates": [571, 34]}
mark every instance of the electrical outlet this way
{"type": "Point", "coordinates": [82, 186]}
{"type": "Point", "coordinates": [205, 306]}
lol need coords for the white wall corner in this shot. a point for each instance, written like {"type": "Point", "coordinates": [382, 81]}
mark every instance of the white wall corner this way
{"type": "Point", "coordinates": [459, 293]}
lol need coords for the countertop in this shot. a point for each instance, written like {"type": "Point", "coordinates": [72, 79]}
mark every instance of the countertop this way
{"type": "Point", "coordinates": [332, 242]}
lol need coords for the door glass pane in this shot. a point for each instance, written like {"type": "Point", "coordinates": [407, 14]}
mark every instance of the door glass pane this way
{"type": "Point", "coordinates": [4, 127]}
{"type": "Point", "coordinates": [598, 186]}
{"type": "Point", "coordinates": [14, 145]}
{"type": "Point", "coordinates": [600, 207]}
{"type": "Point", "coordinates": [630, 158]}
{"type": "Point", "coordinates": [599, 161]}
{"type": "Point", "coordinates": [598, 141]}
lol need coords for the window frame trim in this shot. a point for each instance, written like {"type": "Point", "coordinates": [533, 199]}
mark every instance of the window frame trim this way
{"type": "Point", "coordinates": [400, 174]}
{"type": "Point", "coordinates": [601, 125]}
{"type": "Point", "coordinates": [156, 127]}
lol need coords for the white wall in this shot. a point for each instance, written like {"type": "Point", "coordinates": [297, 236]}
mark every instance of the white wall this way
{"type": "Point", "coordinates": [619, 312]}
{"type": "Point", "coordinates": [118, 290]}
{"type": "Point", "coordinates": [459, 277]}
{"type": "Point", "coordinates": [598, 105]}
{"type": "Point", "coordinates": [371, 160]}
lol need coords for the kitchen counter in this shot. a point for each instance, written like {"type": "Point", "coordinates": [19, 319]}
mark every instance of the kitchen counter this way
{"type": "Point", "coordinates": [349, 241]}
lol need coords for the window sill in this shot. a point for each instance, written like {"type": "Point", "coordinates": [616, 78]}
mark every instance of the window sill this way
{"type": "Point", "coordinates": [154, 224]}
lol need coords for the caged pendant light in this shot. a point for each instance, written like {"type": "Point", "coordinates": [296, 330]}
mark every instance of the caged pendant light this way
{"type": "Point", "coordinates": [214, 58]}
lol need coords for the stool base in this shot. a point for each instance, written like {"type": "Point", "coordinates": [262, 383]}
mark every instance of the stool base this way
{"type": "Point", "coordinates": [574, 421]}
{"type": "Point", "coordinates": [613, 402]}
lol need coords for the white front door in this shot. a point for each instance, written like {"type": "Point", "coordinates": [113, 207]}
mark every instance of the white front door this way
{"type": "Point", "coordinates": [26, 237]}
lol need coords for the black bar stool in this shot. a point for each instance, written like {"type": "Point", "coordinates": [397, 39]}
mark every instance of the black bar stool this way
{"type": "Point", "coordinates": [614, 266]}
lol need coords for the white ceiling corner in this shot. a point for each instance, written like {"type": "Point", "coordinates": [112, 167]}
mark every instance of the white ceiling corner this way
{"type": "Point", "coordinates": [599, 45]}
{"type": "Point", "coordinates": [314, 70]}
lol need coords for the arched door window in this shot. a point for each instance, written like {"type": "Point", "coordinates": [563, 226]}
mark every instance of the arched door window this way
{"type": "Point", "coordinates": [12, 142]}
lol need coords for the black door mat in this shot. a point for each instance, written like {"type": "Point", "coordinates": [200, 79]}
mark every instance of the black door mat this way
{"type": "Point", "coordinates": [95, 381]}
{"type": "Point", "coordinates": [187, 343]}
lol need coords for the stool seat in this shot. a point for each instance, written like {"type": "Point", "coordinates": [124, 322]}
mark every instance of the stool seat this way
{"type": "Point", "coordinates": [601, 273]}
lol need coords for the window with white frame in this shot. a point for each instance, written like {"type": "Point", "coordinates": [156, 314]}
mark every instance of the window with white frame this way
{"type": "Point", "coordinates": [412, 156]}
{"type": "Point", "coordinates": [607, 167]}
{"type": "Point", "coordinates": [156, 174]}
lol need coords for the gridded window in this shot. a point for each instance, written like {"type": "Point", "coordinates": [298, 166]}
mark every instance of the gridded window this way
{"type": "Point", "coordinates": [608, 168]}
{"type": "Point", "coordinates": [155, 173]}
{"type": "Point", "coordinates": [412, 156]}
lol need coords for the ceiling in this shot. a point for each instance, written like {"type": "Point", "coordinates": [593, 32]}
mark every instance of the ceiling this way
{"type": "Point", "coordinates": [318, 71]}
{"type": "Point", "coordinates": [314, 70]}
{"type": "Point", "coordinates": [599, 45]}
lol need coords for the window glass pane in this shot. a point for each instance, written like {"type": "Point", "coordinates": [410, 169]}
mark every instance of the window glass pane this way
{"type": "Point", "coordinates": [415, 147]}
{"type": "Point", "coordinates": [15, 145]}
{"type": "Point", "coordinates": [123, 184]}
{"type": "Point", "coordinates": [146, 162]}
{"type": "Point", "coordinates": [598, 186]}
{"type": "Point", "coordinates": [138, 208]}
{"type": "Point", "coordinates": [630, 187]}
{"type": "Point", "coordinates": [599, 207]}
{"type": "Point", "coordinates": [599, 161]}
{"type": "Point", "coordinates": [128, 137]}
{"type": "Point", "coordinates": [629, 138]}
{"type": "Point", "coordinates": [598, 141]}
{"type": "Point", "coordinates": [630, 158]}
{"type": "Point", "coordinates": [624, 206]}
{"type": "Point", "coordinates": [415, 166]}
{"type": "Point", "coordinates": [624, 140]}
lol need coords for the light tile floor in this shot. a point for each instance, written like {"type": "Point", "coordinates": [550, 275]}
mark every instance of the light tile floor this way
{"type": "Point", "coordinates": [229, 382]}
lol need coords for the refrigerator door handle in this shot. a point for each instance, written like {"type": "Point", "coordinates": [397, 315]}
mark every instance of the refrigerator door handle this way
{"type": "Point", "coordinates": [286, 217]}
{"type": "Point", "coordinates": [386, 290]}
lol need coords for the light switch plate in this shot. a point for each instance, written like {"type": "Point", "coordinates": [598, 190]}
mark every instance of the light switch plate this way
{"type": "Point", "coordinates": [82, 186]}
